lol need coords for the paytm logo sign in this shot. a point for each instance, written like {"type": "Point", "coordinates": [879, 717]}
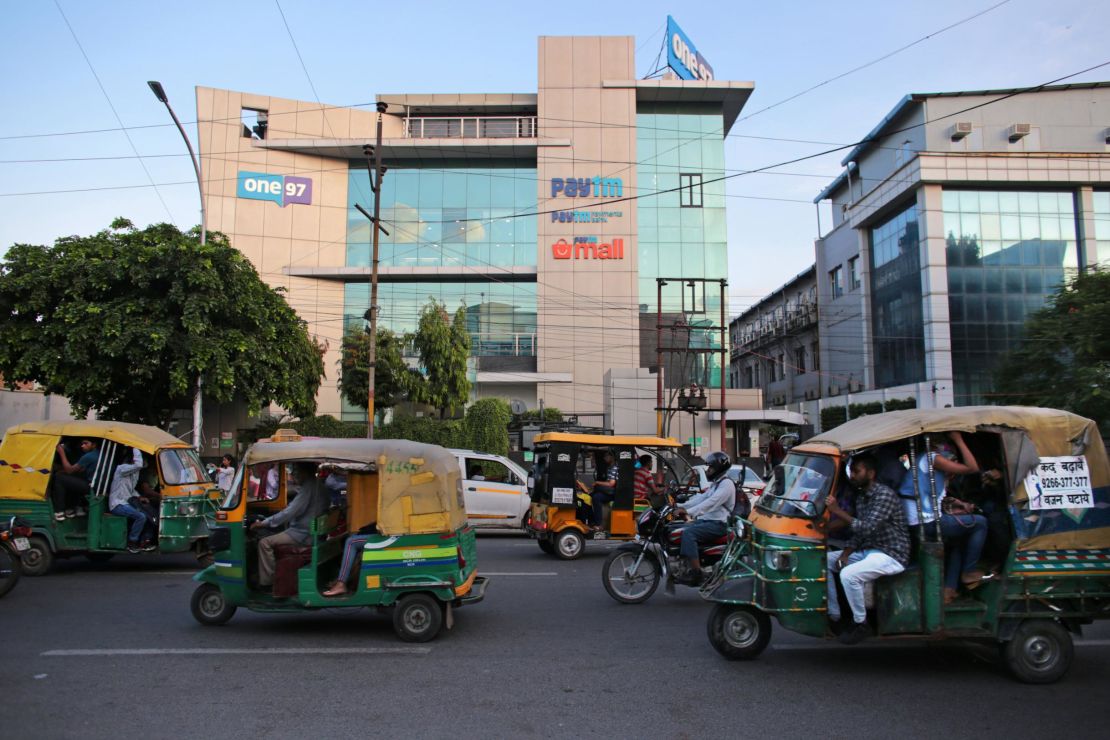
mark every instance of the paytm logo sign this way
{"type": "Point", "coordinates": [281, 189]}
{"type": "Point", "coordinates": [682, 57]}
{"type": "Point", "coordinates": [587, 248]}
{"type": "Point", "coordinates": [585, 187]}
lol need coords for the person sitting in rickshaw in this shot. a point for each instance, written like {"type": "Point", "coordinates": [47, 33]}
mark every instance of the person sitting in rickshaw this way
{"type": "Point", "coordinates": [605, 487]}
{"type": "Point", "coordinates": [122, 502]}
{"type": "Point", "coordinates": [710, 511]}
{"type": "Point", "coordinates": [311, 500]}
{"type": "Point", "coordinates": [879, 544]}
{"type": "Point", "coordinates": [644, 487]}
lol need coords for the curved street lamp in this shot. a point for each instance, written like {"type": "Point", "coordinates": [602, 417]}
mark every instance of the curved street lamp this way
{"type": "Point", "coordinates": [160, 93]}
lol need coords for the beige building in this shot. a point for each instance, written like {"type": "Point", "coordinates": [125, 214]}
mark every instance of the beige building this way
{"type": "Point", "coordinates": [547, 216]}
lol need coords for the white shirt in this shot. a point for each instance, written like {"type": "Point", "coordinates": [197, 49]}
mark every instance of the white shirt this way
{"type": "Point", "coordinates": [715, 502]}
{"type": "Point", "coordinates": [124, 480]}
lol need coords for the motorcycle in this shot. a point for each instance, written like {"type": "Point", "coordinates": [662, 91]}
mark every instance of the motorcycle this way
{"type": "Point", "coordinates": [633, 571]}
{"type": "Point", "coordinates": [14, 534]}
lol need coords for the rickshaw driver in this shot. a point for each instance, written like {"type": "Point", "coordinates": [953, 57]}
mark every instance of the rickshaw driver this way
{"type": "Point", "coordinates": [710, 510]}
{"type": "Point", "coordinates": [311, 501]}
{"type": "Point", "coordinates": [879, 544]}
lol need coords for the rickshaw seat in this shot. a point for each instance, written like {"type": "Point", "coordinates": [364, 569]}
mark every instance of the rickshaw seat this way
{"type": "Point", "coordinates": [288, 560]}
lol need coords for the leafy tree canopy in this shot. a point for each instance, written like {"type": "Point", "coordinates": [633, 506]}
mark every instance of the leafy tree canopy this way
{"type": "Point", "coordinates": [443, 345]}
{"type": "Point", "coordinates": [123, 321]}
{"type": "Point", "coordinates": [1064, 360]}
{"type": "Point", "coordinates": [393, 379]}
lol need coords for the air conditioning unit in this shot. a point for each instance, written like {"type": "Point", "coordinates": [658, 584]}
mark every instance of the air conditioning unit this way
{"type": "Point", "coordinates": [1019, 131]}
{"type": "Point", "coordinates": [855, 386]}
{"type": "Point", "coordinates": [834, 390]}
{"type": "Point", "coordinates": [961, 129]}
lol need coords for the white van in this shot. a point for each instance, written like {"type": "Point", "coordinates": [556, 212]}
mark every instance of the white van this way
{"type": "Point", "coordinates": [495, 490]}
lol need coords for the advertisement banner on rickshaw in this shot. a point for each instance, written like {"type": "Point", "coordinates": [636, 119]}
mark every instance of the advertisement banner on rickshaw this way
{"type": "Point", "coordinates": [1060, 483]}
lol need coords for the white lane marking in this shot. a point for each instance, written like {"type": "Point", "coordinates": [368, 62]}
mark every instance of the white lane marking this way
{"type": "Point", "coordinates": [235, 651]}
{"type": "Point", "coordinates": [486, 573]}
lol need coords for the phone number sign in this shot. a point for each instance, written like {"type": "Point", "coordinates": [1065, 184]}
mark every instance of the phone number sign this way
{"type": "Point", "coordinates": [1060, 483]}
{"type": "Point", "coordinates": [281, 189]}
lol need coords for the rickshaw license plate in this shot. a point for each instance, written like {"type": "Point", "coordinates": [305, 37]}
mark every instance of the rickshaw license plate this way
{"type": "Point", "coordinates": [21, 544]}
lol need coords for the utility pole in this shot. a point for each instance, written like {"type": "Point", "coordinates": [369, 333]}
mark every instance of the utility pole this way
{"type": "Point", "coordinates": [377, 172]}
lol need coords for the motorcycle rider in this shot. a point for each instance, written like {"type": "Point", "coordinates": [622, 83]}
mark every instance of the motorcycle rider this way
{"type": "Point", "coordinates": [709, 510]}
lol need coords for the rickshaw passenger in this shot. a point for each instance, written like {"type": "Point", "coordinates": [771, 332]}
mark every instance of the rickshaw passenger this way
{"type": "Point", "coordinates": [352, 548]}
{"type": "Point", "coordinates": [879, 545]}
{"type": "Point", "coordinates": [643, 482]}
{"type": "Point", "coordinates": [710, 511]}
{"type": "Point", "coordinates": [69, 487]}
{"type": "Point", "coordinates": [605, 487]}
{"type": "Point", "coordinates": [119, 503]}
{"type": "Point", "coordinates": [311, 500]}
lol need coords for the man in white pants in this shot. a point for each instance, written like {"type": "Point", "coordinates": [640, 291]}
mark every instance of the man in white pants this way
{"type": "Point", "coordinates": [879, 544]}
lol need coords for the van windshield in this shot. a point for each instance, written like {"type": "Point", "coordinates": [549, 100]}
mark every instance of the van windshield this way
{"type": "Point", "coordinates": [181, 466]}
{"type": "Point", "coordinates": [799, 486]}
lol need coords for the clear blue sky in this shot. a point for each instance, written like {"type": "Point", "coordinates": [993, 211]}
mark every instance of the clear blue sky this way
{"type": "Point", "coordinates": [784, 47]}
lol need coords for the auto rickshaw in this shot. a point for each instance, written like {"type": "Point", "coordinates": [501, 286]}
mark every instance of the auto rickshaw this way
{"type": "Point", "coordinates": [560, 499]}
{"type": "Point", "coordinates": [173, 475]}
{"type": "Point", "coordinates": [1053, 494]}
{"type": "Point", "coordinates": [419, 560]}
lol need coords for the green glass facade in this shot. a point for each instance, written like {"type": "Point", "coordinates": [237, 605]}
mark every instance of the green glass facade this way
{"type": "Point", "coordinates": [898, 338]}
{"type": "Point", "coordinates": [681, 231]}
{"type": "Point", "coordinates": [1007, 253]}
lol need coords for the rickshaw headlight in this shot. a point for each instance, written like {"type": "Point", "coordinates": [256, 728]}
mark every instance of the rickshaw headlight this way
{"type": "Point", "coordinates": [779, 560]}
{"type": "Point", "coordinates": [188, 509]}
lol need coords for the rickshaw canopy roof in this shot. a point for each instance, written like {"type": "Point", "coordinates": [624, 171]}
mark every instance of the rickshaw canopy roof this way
{"type": "Point", "coordinates": [608, 440]}
{"type": "Point", "coordinates": [146, 438]}
{"type": "Point", "coordinates": [1047, 428]}
{"type": "Point", "coordinates": [418, 487]}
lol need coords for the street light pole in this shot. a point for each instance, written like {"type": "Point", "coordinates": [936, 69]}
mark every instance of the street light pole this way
{"type": "Point", "coordinates": [160, 93]}
{"type": "Point", "coordinates": [376, 186]}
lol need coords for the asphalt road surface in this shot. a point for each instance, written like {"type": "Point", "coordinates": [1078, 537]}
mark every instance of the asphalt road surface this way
{"type": "Point", "coordinates": [111, 650]}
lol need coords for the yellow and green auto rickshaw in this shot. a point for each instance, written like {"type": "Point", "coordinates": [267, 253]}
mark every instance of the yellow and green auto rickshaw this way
{"type": "Point", "coordinates": [1047, 488]}
{"type": "Point", "coordinates": [415, 554]}
{"type": "Point", "coordinates": [173, 479]}
{"type": "Point", "coordinates": [558, 517]}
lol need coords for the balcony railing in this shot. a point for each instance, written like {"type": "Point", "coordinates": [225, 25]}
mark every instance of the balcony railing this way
{"type": "Point", "coordinates": [492, 344]}
{"type": "Point", "coordinates": [484, 127]}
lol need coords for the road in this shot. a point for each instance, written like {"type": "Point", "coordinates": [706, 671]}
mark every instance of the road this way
{"type": "Point", "coordinates": [110, 650]}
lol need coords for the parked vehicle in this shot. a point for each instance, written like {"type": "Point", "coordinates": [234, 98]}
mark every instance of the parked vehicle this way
{"type": "Point", "coordinates": [418, 558]}
{"type": "Point", "coordinates": [495, 490]}
{"type": "Point", "coordinates": [182, 492]}
{"type": "Point", "coordinates": [561, 500]}
{"type": "Point", "coordinates": [14, 534]}
{"type": "Point", "coordinates": [1055, 571]}
{"type": "Point", "coordinates": [751, 484]}
{"type": "Point", "coordinates": [632, 572]}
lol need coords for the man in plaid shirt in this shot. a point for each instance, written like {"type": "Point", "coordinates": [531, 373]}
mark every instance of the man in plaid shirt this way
{"type": "Point", "coordinates": [878, 545]}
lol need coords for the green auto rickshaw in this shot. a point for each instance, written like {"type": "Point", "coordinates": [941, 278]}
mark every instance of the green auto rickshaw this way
{"type": "Point", "coordinates": [173, 480]}
{"type": "Point", "coordinates": [1049, 494]}
{"type": "Point", "coordinates": [415, 556]}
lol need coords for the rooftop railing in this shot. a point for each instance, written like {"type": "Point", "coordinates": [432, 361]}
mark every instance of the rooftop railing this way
{"type": "Point", "coordinates": [471, 127]}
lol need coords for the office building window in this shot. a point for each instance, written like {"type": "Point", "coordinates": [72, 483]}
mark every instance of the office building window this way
{"type": "Point", "coordinates": [255, 122]}
{"type": "Point", "coordinates": [800, 361]}
{"type": "Point", "coordinates": [690, 195]}
{"type": "Point", "coordinates": [898, 331]}
{"type": "Point", "coordinates": [1007, 252]}
{"type": "Point", "coordinates": [853, 273]}
{"type": "Point", "coordinates": [836, 282]}
{"type": "Point", "coordinates": [815, 356]}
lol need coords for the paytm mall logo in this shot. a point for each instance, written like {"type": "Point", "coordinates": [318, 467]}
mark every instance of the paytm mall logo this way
{"type": "Point", "coordinates": [586, 187]}
{"type": "Point", "coordinates": [588, 248]}
{"type": "Point", "coordinates": [281, 189]}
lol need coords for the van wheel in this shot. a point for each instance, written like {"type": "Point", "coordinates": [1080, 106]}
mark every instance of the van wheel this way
{"type": "Point", "coordinates": [39, 558]}
{"type": "Point", "coordinates": [546, 546]}
{"type": "Point", "coordinates": [1041, 651]}
{"type": "Point", "coordinates": [417, 617]}
{"type": "Point", "coordinates": [210, 606]}
{"type": "Point", "coordinates": [569, 544]}
{"type": "Point", "coordinates": [738, 631]}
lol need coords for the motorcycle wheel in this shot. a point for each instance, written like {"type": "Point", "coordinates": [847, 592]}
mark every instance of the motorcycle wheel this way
{"type": "Point", "coordinates": [630, 589]}
{"type": "Point", "coordinates": [9, 570]}
{"type": "Point", "coordinates": [738, 631]}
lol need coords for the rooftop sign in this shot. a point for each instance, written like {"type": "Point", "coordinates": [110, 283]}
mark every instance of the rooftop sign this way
{"type": "Point", "coordinates": [682, 57]}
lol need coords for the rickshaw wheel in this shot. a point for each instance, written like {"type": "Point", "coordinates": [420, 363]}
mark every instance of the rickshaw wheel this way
{"type": "Point", "coordinates": [546, 546]}
{"type": "Point", "coordinates": [210, 606]}
{"type": "Point", "coordinates": [38, 559]}
{"type": "Point", "coordinates": [1041, 651]}
{"type": "Point", "coordinates": [636, 591]}
{"type": "Point", "coordinates": [738, 631]}
{"type": "Point", "coordinates": [417, 617]}
{"type": "Point", "coordinates": [569, 544]}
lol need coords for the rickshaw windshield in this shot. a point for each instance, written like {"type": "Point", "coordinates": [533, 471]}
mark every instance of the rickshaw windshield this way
{"type": "Point", "coordinates": [181, 465]}
{"type": "Point", "coordinates": [799, 486]}
{"type": "Point", "coordinates": [231, 500]}
{"type": "Point", "coordinates": [676, 463]}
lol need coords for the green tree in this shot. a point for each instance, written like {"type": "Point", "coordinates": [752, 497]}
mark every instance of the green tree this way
{"type": "Point", "coordinates": [443, 346]}
{"type": "Point", "coordinates": [1064, 360]}
{"type": "Point", "coordinates": [123, 321]}
{"type": "Point", "coordinates": [393, 379]}
{"type": "Point", "coordinates": [487, 424]}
